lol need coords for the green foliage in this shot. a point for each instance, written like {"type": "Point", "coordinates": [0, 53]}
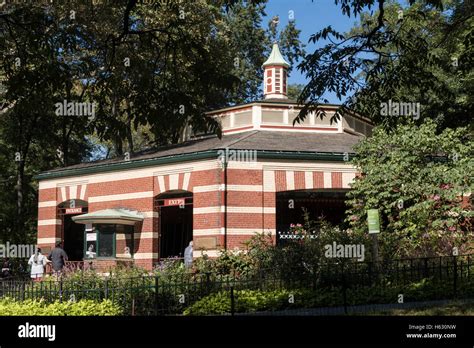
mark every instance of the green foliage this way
{"type": "Point", "coordinates": [419, 52]}
{"type": "Point", "coordinates": [416, 178]}
{"type": "Point", "coordinates": [9, 307]}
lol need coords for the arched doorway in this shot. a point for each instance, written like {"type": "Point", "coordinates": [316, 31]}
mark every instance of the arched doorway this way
{"type": "Point", "coordinates": [72, 234]}
{"type": "Point", "coordinates": [175, 211]}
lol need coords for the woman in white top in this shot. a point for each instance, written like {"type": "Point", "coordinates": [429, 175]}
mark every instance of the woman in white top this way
{"type": "Point", "coordinates": [37, 262]}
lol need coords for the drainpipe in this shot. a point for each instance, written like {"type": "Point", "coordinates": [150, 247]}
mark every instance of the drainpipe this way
{"type": "Point", "coordinates": [225, 163]}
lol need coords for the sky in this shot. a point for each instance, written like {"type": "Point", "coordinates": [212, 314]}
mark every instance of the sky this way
{"type": "Point", "coordinates": [310, 17]}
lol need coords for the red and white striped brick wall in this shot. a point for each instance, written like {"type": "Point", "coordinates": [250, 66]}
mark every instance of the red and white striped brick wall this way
{"type": "Point", "coordinates": [251, 197]}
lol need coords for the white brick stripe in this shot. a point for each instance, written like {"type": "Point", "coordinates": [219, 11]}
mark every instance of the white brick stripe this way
{"type": "Point", "coordinates": [210, 253]}
{"type": "Point", "coordinates": [269, 181]}
{"type": "Point", "coordinates": [73, 192]}
{"type": "Point", "coordinates": [46, 204]}
{"type": "Point", "coordinates": [186, 178]}
{"type": "Point", "coordinates": [142, 256]}
{"type": "Point", "coordinates": [347, 178]}
{"type": "Point", "coordinates": [232, 209]}
{"type": "Point", "coordinates": [208, 210]}
{"type": "Point", "coordinates": [249, 231]}
{"type": "Point", "coordinates": [83, 191]}
{"type": "Point", "coordinates": [174, 178]}
{"type": "Point", "coordinates": [149, 214]}
{"type": "Point", "coordinates": [290, 180]}
{"type": "Point", "coordinates": [308, 180]}
{"type": "Point", "coordinates": [63, 194]}
{"type": "Point", "coordinates": [246, 188]}
{"type": "Point", "coordinates": [161, 183]}
{"type": "Point", "coordinates": [327, 180]}
{"type": "Point", "coordinates": [142, 235]}
{"type": "Point", "coordinates": [208, 231]}
{"type": "Point", "coordinates": [251, 210]}
{"type": "Point", "coordinates": [121, 197]}
{"type": "Point", "coordinates": [206, 188]}
{"type": "Point", "coordinates": [49, 222]}
{"type": "Point", "coordinates": [51, 240]}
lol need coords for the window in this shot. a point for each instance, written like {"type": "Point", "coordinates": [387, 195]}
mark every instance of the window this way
{"type": "Point", "coordinates": [105, 240]}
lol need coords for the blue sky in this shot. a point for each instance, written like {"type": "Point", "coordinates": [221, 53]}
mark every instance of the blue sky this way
{"type": "Point", "coordinates": [310, 17]}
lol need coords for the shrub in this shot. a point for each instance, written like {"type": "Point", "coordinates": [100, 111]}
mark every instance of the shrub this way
{"type": "Point", "coordinates": [9, 307]}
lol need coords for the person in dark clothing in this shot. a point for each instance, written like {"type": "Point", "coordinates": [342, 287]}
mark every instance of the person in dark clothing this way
{"type": "Point", "coordinates": [58, 257]}
{"type": "Point", "coordinates": [6, 269]}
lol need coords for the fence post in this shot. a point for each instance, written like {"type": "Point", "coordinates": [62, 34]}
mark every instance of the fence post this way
{"type": "Point", "coordinates": [344, 288]}
{"type": "Point", "coordinates": [232, 301]}
{"type": "Point", "coordinates": [156, 295]}
{"type": "Point", "coordinates": [60, 289]}
{"type": "Point", "coordinates": [106, 289]}
{"type": "Point", "coordinates": [455, 276]}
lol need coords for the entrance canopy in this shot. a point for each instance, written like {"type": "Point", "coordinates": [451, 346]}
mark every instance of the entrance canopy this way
{"type": "Point", "coordinates": [110, 216]}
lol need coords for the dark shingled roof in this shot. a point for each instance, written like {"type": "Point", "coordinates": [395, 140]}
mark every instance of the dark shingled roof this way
{"type": "Point", "coordinates": [252, 140]}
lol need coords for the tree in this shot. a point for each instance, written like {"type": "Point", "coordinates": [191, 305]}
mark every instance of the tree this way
{"type": "Point", "coordinates": [419, 53]}
{"type": "Point", "coordinates": [417, 181]}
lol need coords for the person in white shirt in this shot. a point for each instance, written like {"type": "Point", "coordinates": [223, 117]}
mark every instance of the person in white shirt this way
{"type": "Point", "coordinates": [37, 262]}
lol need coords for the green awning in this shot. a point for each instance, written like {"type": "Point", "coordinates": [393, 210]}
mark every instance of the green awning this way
{"type": "Point", "coordinates": [109, 216]}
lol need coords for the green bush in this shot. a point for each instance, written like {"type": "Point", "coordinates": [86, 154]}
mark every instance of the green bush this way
{"type": "Point", "coordinates": [9, 307]}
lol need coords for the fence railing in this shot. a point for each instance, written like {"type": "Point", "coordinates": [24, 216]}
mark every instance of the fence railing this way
{"type": "Point", "coordinates": [337, 284]}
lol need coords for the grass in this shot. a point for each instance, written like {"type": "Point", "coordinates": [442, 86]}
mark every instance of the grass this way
{"type": "Point", "coordinates": [453, 308]}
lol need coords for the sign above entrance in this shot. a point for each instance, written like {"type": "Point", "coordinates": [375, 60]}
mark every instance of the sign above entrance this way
{"type": "Point", "coordinates": [174, 201]}
{"type": "Point", "coordinates": [73, 210]}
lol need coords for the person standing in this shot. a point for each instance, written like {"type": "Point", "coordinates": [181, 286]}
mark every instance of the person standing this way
{"type": "Point", "coordinates": [37, 262]}
{"type": "Point", "coordinates": [188, 255]}
{"type": "Point", "coordinates": [58, 257]}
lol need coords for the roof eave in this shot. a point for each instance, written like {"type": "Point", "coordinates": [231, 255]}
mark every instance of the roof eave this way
{"type": "Point", "coordinates": [128, 165]}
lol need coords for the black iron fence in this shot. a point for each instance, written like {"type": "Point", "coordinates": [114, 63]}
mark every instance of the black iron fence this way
{"type": "Point", "coordinates": [341, 284]}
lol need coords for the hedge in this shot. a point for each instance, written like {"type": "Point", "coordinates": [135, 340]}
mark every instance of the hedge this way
{"type": "Point", "coordinates": [9, 307]}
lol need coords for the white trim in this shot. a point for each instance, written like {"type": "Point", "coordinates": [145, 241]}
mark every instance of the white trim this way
{"type": "Point", "coordinates": [131, 174]}
{"type": "Point", "coordinates": [347, 178]}
{"type": "Point", "coordinates": [83, 191]}
{"type": "Point", "coordinates": [142, 256]}
{"type": "Point", "coordinates": [234, 209]}
{"type": "Point", "coordinates": [174, 179]}
{"type": "Point", "coordinates": [186, 178]}
{"type": "Point", "coordinates": [249, 231]}
{"type": "Point", "coordinates": [149, 214]}
{"type": "Point", "coordinates": [269, 181]}
{"type": "Point", "coordinates": [206, 188]}
{"type": "Point", "coordinates": [210, 253]}
{"type": "Point", "coordinates": [73, 192]}
{"type": "Point", "coordinates": [327, 178]}
{"type": "Point", "coordinates": [290, 180]}
{"type": "Point", "coordinates": [246, 188]}
{"type": "Point", "coordinates": [47, 204]}
{"type": "Point", "coordinates": [208, 210]}
{"type": "Point", "coordinates": [208, 231]}
{"type": "Point", "coordinates": [138, 235]}
{"type": "Point", "coordinates": [308, 180]}
{"type": "Point", "coordinates": [49, 222]}
{"type": "Point", "coordinates": [51, 240]}
{"type": "Point", "coordinates": [161, 183]}
{"type": "Point", "coordinates": [251, 210]}
{"type": "Point", "coordinates": [121, 197]}
{"type": "Point", "coordinates": [63, 194]}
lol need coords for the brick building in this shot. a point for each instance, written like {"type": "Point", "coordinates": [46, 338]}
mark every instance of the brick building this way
{"type": "Point", "coordinates": [215, 192]}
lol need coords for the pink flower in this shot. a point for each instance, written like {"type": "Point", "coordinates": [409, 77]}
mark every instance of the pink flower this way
{"type": "Point", "coordinates": [292, 225]}
{"type": "Point", "coordinates": [436, 197]}
{"type": "Point", "coordinates": [452, 228]}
